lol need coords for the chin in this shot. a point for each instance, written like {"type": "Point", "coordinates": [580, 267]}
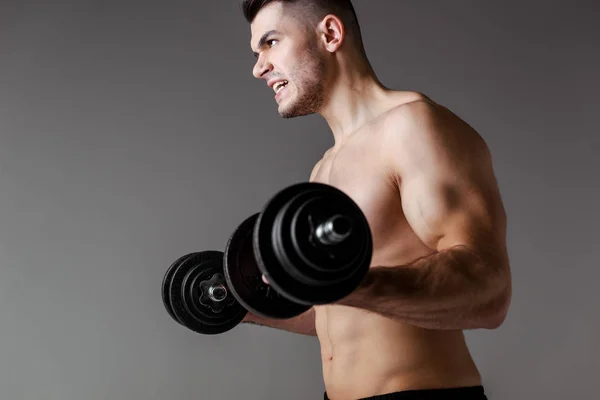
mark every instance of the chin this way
{"type": "Point", "coordinates": [292, 111]}
{"type": "Point", "coordinates": [287, 114]}
{"type": "Point", "coordinates": [287, 111]}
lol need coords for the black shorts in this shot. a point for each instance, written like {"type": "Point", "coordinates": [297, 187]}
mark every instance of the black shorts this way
{"type": "Point", "coordinates": [461, 393]}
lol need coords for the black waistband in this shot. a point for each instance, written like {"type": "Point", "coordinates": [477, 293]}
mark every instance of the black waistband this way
{"type": "Point", "coordinates": [462, 393]}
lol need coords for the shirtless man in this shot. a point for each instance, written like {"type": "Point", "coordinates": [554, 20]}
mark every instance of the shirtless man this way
{"type": "Point", "coordinates": [424, 180]}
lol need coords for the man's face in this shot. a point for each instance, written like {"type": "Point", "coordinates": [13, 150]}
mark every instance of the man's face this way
{"type": "Point", "coordinates": [286, 51]}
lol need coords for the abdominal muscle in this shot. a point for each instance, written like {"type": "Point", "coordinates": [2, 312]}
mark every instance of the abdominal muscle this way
{"type": "Point", "coordinates": [365, 354]}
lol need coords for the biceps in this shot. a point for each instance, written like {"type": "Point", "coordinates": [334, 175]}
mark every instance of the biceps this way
{"type": "Point", "coordinates": [445, 213]}
{"type": "Point", "coordinates": [427, 209]}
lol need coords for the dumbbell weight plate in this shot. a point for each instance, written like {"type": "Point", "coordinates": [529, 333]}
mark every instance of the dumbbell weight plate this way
{"type": "Point", "coordinates": [166, 286]}
{"type": "Point", "coordinates": [186, 298]}
{"type": "Point", "coordinates": [287, 253]}
{"type": "Point", "coordinates": [245, 279]}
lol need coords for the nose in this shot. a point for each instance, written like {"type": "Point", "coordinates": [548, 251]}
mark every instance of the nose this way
{"type": "Point", "coordinates": [261, 67]}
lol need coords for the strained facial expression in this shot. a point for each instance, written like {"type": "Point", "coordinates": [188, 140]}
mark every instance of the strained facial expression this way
{"type": "Point", "coordinates": [289, 60]}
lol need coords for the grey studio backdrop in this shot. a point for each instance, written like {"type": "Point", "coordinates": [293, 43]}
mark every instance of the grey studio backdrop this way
{"type": "Point", "coordinates": [133, 132]}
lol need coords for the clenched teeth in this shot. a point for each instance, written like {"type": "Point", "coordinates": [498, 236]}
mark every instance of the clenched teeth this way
{"type": "Point", "coordinates": [279, 85]}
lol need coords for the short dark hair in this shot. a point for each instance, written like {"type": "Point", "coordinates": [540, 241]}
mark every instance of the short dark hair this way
{"type": "Point", "coordinates": [314, 10]}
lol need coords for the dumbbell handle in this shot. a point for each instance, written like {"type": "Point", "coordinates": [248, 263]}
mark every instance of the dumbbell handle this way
{"type": "Point", "coordinates": [334, 230]}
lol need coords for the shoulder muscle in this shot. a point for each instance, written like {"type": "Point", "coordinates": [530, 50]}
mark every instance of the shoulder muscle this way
{"type": "Point", "coordinates": [443, 170]}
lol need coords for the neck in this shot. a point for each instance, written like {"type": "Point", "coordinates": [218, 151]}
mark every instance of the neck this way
{"type": "Point", "coordinates": [355, 98]}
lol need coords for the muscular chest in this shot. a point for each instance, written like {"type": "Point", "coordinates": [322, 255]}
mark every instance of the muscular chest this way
{"type": "Point", "coordinates": [362, 174]}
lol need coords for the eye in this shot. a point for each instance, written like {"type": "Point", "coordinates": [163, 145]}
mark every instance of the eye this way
{"type": "Point", "coordinates": [271, 41]}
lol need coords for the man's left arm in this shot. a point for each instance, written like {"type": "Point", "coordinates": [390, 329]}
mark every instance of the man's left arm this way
{"type": "Point", "coordinates": [443, 171]}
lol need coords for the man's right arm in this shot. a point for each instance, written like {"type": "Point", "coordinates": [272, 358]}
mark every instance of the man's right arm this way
{"type": "Point", "coordinates": [303, 324]}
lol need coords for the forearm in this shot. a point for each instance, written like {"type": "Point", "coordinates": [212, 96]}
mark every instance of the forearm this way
{"type": "Point", "coordinates": [303, 324]}
{"type": "Point", "coordinates": [451, 289]}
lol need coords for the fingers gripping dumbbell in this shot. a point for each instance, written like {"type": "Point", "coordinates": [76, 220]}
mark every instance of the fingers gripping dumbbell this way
{"type": "Point", "coordinates": [312, 243]}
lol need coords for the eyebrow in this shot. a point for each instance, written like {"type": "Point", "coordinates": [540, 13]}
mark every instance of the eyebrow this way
{"type": "Point", "coordinates": [263, 40]}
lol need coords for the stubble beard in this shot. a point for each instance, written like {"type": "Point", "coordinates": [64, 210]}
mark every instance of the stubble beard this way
{"type": "Point", "coordinates": [308, 78]}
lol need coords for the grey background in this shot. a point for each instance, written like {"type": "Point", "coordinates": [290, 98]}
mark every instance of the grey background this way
{"type": "Point", "coordinates": [133, 132]}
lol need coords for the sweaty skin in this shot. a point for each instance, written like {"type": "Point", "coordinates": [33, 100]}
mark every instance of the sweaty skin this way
{"type": "Point", "coordinates": [425, 182]}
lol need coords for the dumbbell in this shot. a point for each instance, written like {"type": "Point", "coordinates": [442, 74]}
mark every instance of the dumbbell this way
{"type": "Point", "coordinates": [312, 243]}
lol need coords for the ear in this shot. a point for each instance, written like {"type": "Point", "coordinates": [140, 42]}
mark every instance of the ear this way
{"type": "Point", "coordinates": [332, 32]}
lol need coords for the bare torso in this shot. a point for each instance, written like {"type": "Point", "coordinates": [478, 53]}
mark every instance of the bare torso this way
{"type": "Point", "coordinates": [365, 354]}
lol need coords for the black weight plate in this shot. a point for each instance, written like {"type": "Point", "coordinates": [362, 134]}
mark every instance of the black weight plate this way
{"type": "Point", "coordinates": [166, 285]}
{"type": "Point", "coordinates": [245, 279]}
{"type": "Point", "coordinates": [296, 245]}
{"type": "Point", "coordinates": [324, 264]}
{"type": "Point", "coordinates": [226, 313]}
{"type": "Point", "coordinates": [194, 268]}
{"type": "Point", "coordinates": [283, 276]}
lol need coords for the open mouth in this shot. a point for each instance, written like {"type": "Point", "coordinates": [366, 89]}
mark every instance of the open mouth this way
{"type": "Point", "coordinates": [279, 86]}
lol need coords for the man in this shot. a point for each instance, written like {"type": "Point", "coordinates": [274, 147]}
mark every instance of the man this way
{"type": "Point", "coordinates": [424, 180]}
